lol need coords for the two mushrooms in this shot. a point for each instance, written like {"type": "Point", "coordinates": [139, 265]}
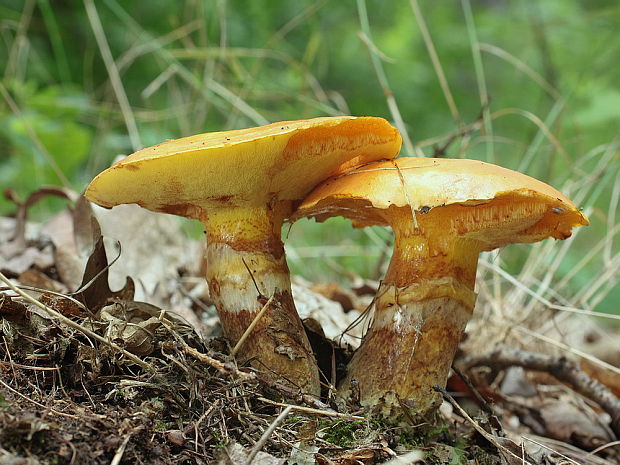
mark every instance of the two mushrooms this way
{"type": "Point", "coordinates": [243, 184]}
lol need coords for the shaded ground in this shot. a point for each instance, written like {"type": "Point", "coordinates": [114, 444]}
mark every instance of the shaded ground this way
{"type": "Point", "coordinates": [95, 377]}
{"type": "Point", "coordinates": [81, 404]}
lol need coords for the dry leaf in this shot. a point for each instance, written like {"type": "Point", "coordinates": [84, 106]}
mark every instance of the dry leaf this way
{"type": "Point", "coordinates": [236, 454]}
{"type": "Point", "coordinates": [334, 291]}
{"type": "Point", "coordinates": [68, 262]}
{"type": "Point", "coordinates": [330, 315]}
{"type": "Point", "coordinates": [131, 327]}
{"type": "Point", "coordinates": [303, 454]}
{"type": "Point", "coordinates": [567, 422]}
{"type": "Point", "coordinates": [95, 291]}
{"type": "Point", "coordinates": [153, 249]}
{"type": "Point", "coordinates": [35, 278]}
{"type": "Point", "coordinates": [9, 307]}
{"type": "Point", "coordinates": [86, 228]}
{"type": "Point", "coordinates": [409, 458]}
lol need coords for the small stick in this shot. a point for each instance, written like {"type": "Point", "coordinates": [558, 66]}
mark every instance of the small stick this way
{"type": "Point", "coordinates": [72, 324]}
{"type": "Point", "coordinates": [550, 450]}
{"type": "Point", "coordinates": [604, 446]}
{"type": "Point", "coordinates": [120, 451]}
{"type": "Point", "coordinates": [230, 369]}
{"type": "Point", "coordinates": [251, 327]}
{"type": "Point", "coordinates": [223, 368]}
{"type": "Point", "coordinates": [488, 436]}
{"type": "Point", "coordinates": [27, 367]}
{"type": "Point", "coordinates": [481, 400]}
{"type": "Point", "coordinates": [263, 439]}
{"type": "Point", "coordinates": [326, 413]}
{"type": "Point", "coordinates": [561, 345]}
{"type": "Point", "coordinates": [561, 368]}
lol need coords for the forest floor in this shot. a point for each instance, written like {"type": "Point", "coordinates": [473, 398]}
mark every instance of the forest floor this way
{"type": "Point", "coordinates": [94, 376]}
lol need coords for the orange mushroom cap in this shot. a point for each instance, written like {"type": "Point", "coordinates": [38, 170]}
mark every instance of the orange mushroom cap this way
{"type": "Point", "coordinates": [517, 207]}
{"type": "Point", "coordinates": [247, 167]}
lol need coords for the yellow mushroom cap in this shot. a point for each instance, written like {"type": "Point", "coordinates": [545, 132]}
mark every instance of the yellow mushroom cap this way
{"type": "Point", "coordinates": [480, 200]}
{"type": "Point", "coordinates": [247, 167]}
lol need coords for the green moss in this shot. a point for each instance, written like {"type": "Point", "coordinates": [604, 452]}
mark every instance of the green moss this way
{"type": "Point", "coordinates": [343, 433]}
{"type": "Point", "coordinates": [160, 426]}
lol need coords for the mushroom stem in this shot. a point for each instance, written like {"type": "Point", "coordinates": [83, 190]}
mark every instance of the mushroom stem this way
{"type": "Point", "coordinates": [246, 267]}
{"type": "Point", "coordinates": [421, 310]}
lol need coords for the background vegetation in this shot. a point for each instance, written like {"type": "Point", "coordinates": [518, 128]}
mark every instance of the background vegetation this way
{"type": "Point", "coordinates": [532, 86]}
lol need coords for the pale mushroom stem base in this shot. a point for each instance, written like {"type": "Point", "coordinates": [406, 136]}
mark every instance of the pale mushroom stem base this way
{"type": "Point", "coordinates": [407, 352]}
{"type": "Point", "coordinates": [241, 282]}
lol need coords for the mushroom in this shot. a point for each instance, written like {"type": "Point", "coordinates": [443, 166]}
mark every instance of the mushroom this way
{"type": "Point", "coordinates": [443, 212]}
{"type": "Point", "coordinates": [242, 185]}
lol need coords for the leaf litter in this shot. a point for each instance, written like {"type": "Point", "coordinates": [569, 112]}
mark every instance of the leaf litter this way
{"type": "Point", "coordinates": [140, 374]}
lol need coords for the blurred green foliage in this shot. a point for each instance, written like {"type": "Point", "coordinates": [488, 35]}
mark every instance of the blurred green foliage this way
{"type": "Point", "coordinates": [549, 69]}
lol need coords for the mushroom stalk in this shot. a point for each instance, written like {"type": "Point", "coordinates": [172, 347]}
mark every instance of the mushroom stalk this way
{"type": "Point", "coordinates": [247, 266]}
{"type": "Point", "coordinates": [241, 184]}
{"type": "Point", "coordinates": [461, 207]}
{"type": "Point", "coordinates": [421, 310]}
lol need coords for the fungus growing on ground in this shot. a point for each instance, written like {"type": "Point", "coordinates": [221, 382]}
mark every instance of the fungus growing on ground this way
{"type": "Point", "coordinates": [443, 213]}
{"type": "Point", "coordinates": [242, 184]}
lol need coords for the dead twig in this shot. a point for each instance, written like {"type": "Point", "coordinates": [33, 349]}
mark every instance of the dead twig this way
{"type": "Point", "coordinates": [326, 413]}
{"type": "Point", "coordinates": [229, 369]}
{"type": "Point", "coordinates": [224, 368]}
{"type": "Point", "coordinates": [561, 368]}
{"type": "Point", "coordinates": [263, 439]}
{"type": "Point", "coordinates": [249, 329]}
{"type": "Point", "coordinates": [495, 440]}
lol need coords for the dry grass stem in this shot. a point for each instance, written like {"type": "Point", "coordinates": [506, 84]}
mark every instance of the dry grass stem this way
{"type": "Point", "coordinates": [118, 456]}
{"type": "Point", "coordinates": [221, 367]}
{"type": "Point", "coordinates": [314, 411]}
{"type": "Point", "coordinates": [115, 79]}
{"type": "Point", "coordinates": [38, 404]}
{"type": "Point", "coordinates": [375, 60]}
{"type": "Point", "coordinates": [251, 327]}
{"type": "Point", "coordinates": [268, 432]}
{"type": "Point", "coordinates": [570, 349]}
{"type": "Point", "coordinates": [489, 437]}
{"type": "Point", "coordinates": [441, 77]}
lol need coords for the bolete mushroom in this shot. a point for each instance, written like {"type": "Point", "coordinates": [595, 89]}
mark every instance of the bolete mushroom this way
{"type": "Point", "coordinates": [242, 184]}
{"type": "Point", "coordinates": [443, 212]}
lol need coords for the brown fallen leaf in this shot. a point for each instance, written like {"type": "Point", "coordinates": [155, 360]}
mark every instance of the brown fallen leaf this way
{"type": "Point", "coordinates": [95, 291]}
{"type": "Point", "coordinates": [154, 248]}
{"type": "Point", "coordinates": [35, 278]}
{"type": "Point", "coordinates": [10, 307]}
{"type": "Point", "coordinates": [335, 292]}
{"type": "Point", "coordinates": [86, 228]}
{"type": "Point", "coordinates": [567, 422]}
{"type": "Point", "coordinates": [356, 457]}
{"type": "Point", "coordinates": [130, 326]}
{"type": "Point", "coordinates": [62, 304]}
